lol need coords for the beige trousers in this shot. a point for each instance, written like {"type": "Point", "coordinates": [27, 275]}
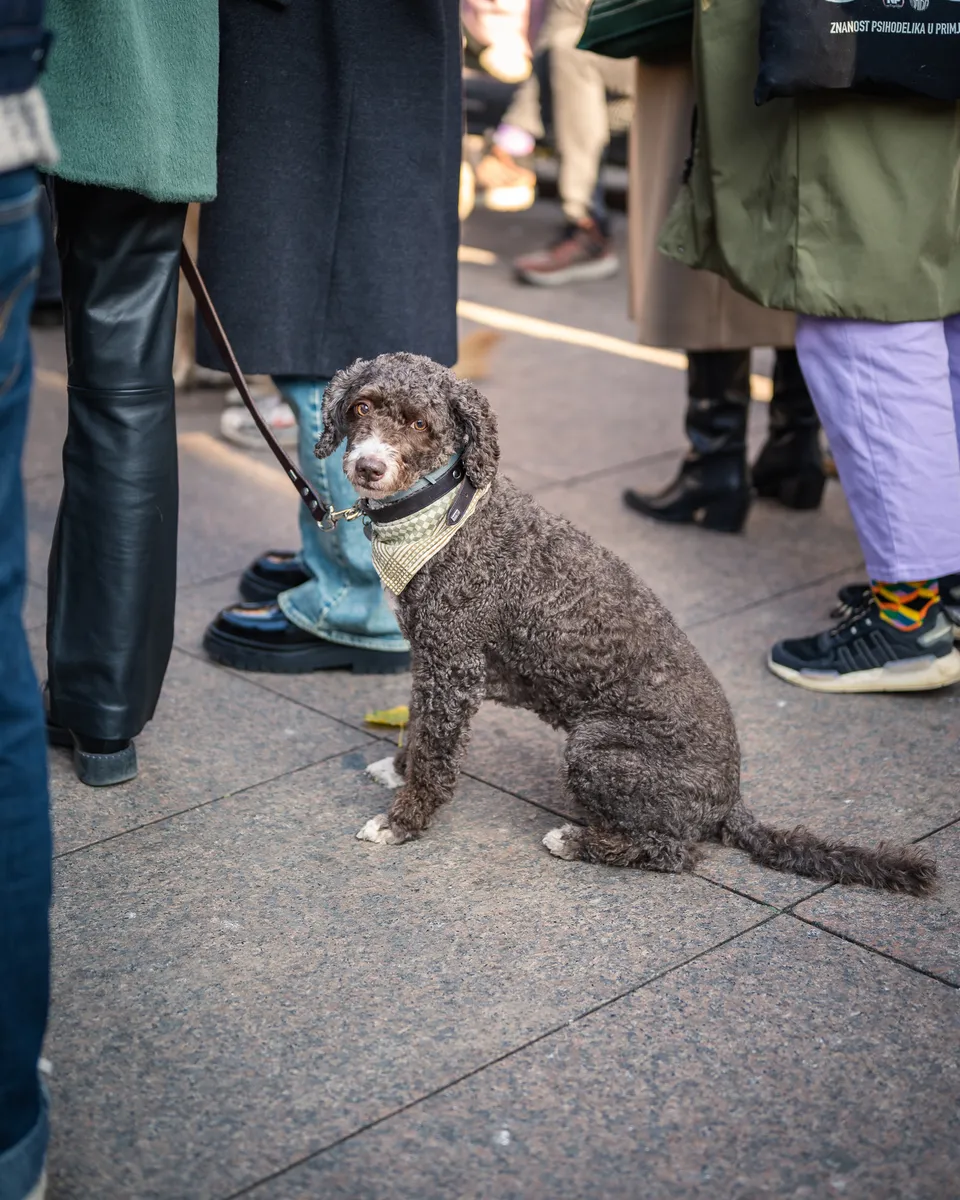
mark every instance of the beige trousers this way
{"type": "Point", "coordinates": [579, 82]}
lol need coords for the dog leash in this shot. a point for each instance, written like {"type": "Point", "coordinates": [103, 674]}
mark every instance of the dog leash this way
{"type": "Point", "coordinates": [325, 517]}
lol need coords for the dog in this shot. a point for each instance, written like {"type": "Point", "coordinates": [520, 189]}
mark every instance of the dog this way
{"type": "Point", "coordinates": [519, 606]}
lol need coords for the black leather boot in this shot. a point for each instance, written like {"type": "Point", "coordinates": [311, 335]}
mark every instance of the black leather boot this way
{"type": "Point", "coordinates": [711, 488]}
{"type": "Point", "coordinates": [790, 465]}
{"type": "Point", "coordinates": [113, 563]}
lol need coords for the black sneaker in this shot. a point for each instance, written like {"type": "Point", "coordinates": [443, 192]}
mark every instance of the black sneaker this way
{"type": "Point", "coordinates": [950, 600]}
{"type": "Point", "coordinates": [864, 653]}
{"type": "Point", "coordinates": [274, 572]}
{"type": "Point", "coordinates": [258, 637]}
{"type": "Point", "coordinates": [852, 597]}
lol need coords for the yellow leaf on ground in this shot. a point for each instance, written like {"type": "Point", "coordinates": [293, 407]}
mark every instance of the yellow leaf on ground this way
{"type": "Point", "coordinates": [399, 717]}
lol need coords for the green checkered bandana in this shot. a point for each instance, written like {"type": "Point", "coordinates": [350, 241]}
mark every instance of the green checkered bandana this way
{"type": "Point", "coordinates": [401, 548]}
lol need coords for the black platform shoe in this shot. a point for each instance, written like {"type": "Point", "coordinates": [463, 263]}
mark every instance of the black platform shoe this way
{"type": "Point", "coordinates": [711, 488]}
{"type": "Point", "coordinates": [275, 571]}
{"type": "Point", "coordinates": [258, 637]}
{"type": "Point", "coordinates": [790, 465]}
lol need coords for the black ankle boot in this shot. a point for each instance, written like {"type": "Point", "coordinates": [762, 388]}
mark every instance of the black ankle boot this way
{"type": "Point", "coordinates": [790, 465]}
{"type": "Point", "coordinates": [711, 488]}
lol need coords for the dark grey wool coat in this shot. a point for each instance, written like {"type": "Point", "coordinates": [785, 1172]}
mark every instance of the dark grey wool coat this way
{"type": "Point", "coordinates": [334, 232]}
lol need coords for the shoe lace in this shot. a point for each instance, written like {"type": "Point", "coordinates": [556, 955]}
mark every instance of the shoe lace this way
{"type": "Point", "coordinates": [856, 613]}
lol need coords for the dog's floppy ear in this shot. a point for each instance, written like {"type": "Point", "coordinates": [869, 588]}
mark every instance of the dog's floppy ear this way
{"type": "Point", "coordinates": [337, 399]}
{"type": "Point", "coordinates": [475, 418]}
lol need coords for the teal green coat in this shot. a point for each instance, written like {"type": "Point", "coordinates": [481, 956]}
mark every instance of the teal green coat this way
{"type": "Point", "coordinates": [132, 90]}
{"type": "Point", "coordinates": [832, 205]}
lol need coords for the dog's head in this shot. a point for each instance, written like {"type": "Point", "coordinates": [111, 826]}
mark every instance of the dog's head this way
{"type": "Point", "coordinates": [403, 416]}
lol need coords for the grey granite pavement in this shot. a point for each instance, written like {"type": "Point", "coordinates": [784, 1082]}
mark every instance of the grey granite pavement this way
{"type": "Point", "coordinates": [248, 1001]}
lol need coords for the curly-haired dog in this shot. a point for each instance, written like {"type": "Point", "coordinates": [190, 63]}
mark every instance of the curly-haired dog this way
{"type": "Point", "coordinates": [523, 608]}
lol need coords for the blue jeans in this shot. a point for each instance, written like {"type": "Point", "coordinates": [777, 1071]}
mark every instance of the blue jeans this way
{"type": "Point", "coordinates": [25, 847]}
{"type": "Point", "coordinates": [343, 602]}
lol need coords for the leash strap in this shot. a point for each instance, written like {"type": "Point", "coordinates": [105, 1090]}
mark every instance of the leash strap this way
{"type": "Point", "coordinates": [314, 504]}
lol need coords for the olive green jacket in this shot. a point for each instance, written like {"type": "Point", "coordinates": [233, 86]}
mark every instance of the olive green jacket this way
{"type": "Point", "coordinates": [829, 204]}
{"type": "Point", "coordinates": [131, 86]}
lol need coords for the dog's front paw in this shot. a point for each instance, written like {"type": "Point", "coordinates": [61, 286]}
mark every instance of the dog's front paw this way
{"type": "Point", "coordinates": [378, 830]}
{"type": "Point", "coordinates": [562, 842]}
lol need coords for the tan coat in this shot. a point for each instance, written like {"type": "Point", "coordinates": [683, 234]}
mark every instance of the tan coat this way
{"type": "Point", "coordinates": [676, 307]}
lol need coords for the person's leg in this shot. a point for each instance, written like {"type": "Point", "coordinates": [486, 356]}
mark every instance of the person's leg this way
{"type": "Point", "coordinates": [711, 487]}
{"type": "Point", "coordinates": [579, 84]}
{"type": "Point", "coordinates": [950, 584]}
{"type": "Point", "coordinates": [789, 467]}
{"type": "Point", "coordinates": [47, 309]}
{"type": "Point", "coordinates": [498, 30]}
{"type": "Point", "coordinates": [338, 616]}
{"type": "Point", "coordinates": [113, 564]}
{"type": "Point", "coordinates": [523, 114]}
{"type": "Point", "coordinates": [25, 847]}
{"type": "Point", "coordinates": [504, 185]}
{"type": "Point", "coordinates": [883, 393]}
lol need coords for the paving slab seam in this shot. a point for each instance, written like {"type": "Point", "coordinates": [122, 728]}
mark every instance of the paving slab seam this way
{"type": "Point", "coordinates": [934, 832]}
{"type": "Point", "coordinates": [845, 937]}
{"type": "Point", "coordinates": [186, 587]}
{"type": "Point", "coordinates": [545, 808]}
{"type": "Point", "coordinates": [787, 908]}
{"type": "Point", "coordinates": [500, 1058]}
{"type": "Point", "coordinates": [760, 601]}
{"type": "Point", "coordinates": [250, 679]}
{"type": "Point", "coordinates": [112, 837]}
{"type": "Point", "coordinates": [646, 461]}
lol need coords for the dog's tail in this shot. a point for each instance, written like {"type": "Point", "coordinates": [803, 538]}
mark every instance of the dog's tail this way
{"type": "Point", "coordinates": [896, 868]}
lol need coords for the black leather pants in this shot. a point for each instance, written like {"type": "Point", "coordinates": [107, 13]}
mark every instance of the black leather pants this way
{"type": "Point", "coordinates": [113, 563]}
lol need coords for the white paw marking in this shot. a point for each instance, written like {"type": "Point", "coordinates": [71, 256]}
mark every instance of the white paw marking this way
{"type": "Point", "coordinates": [561, 842]}
{"type": "Point", "coordinates": [378, 830]}
{"type": "Point", "coordinates": [383, 771]}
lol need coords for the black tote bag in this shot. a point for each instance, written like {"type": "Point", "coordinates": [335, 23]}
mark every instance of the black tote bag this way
{"type": "Point", "coordinates": [883, 47]}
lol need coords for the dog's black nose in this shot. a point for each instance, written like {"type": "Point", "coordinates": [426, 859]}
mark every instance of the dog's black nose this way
{"type": "Point", "coordinates": [371, 469]}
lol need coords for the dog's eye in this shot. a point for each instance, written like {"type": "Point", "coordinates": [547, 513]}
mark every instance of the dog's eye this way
{"type": "Point", "coordinates": [419, 423]}
{"type": "Point", "coordinates": [361, 409]}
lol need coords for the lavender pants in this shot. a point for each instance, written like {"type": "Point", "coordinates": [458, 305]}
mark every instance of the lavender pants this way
{"type": "Point", "coordinates": [889, 400]}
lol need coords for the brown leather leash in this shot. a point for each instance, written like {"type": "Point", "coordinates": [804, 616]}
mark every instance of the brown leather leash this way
{"type": "Point", "coordinates": [317, 509]}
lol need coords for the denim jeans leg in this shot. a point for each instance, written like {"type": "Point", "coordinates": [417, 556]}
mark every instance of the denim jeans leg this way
{"type": "Point", "coordinates": [343, 602]}
{"type": "Point", "coordinates": [25, 848]}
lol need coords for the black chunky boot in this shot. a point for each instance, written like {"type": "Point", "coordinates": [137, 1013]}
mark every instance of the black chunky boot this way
{"type": "Point", "coordinates": [790, 465]}
{"type": "Point", "coordinates": [711, 488]}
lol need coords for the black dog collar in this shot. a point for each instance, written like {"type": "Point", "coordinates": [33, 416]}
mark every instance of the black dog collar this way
{"type": "Point", "coordinates": [395, 510]}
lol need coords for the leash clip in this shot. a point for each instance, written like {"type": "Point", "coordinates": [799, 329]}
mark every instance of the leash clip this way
{"type": "Point", "coordinates": [328, 522]}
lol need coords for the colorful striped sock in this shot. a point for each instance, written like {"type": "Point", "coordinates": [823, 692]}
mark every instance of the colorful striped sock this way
{"type": "Point", "coordinates": [904, 605]}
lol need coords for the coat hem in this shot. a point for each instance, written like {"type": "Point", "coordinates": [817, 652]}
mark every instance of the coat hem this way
{"type": "Point", "coordinates": [160, 195]}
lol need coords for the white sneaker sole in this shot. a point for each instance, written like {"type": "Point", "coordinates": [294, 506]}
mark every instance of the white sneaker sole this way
{"type": "Point", "coordinates": [587, 272]}
{"type": "Point", "coordinates": [508, 199]}
{"type": "Point", "coordinates": [237, 427]}
{"type": "Point", "coordinates": [911, 675]}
